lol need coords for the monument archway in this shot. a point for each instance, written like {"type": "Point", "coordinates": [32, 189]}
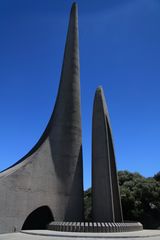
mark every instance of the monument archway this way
{"type": "Point", "coordinates": [38, 219]}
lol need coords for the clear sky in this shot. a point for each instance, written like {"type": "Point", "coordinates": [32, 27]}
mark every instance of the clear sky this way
{"type": "Point", "coordinates": [119, 49]}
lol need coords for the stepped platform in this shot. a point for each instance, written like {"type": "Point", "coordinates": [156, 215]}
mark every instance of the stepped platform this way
{"type": "Point", "coordinates": [95, 226]}
{"type": "Point", "coordinates": [55, 235]}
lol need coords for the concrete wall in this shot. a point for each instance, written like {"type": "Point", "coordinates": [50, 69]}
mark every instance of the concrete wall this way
{"type": "Point", "coordinates": [51, 173]}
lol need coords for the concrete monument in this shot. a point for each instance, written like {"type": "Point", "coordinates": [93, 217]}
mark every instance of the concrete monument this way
{"type": "Point", "coordinates": [106, 203]}
{"type": "Point", "coordinates": [45, 188]}
{"type": "Point", "coordinates": [47, 184]}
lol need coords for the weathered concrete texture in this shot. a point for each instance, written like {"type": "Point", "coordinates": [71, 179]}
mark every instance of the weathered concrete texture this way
{"type": "Point", "coordinates": [49, 178]}
{"type": "Point", "coordinates": [106, 204]}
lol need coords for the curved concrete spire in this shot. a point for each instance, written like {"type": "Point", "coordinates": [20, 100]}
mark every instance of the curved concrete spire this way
{"type": "Point", "coordinates": [106, 203]}
{"type": "Point", "coordinates": [51, 173]}
{"type": "Point", "coordinates": [65, 135]}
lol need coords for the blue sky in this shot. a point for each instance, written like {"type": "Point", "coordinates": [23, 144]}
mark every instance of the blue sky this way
{"type": "Point", "coordinates": [119, 49]}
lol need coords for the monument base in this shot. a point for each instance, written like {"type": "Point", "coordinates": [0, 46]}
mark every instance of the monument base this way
{"type": "Point", "coordinates": [95, 226]}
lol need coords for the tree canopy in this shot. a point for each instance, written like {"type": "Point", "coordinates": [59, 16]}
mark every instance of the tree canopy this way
{"type": "Point", "coordinates": [140, 198]}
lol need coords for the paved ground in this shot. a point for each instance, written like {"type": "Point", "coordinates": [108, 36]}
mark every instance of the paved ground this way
{"type": "Point", "coordinates": [47, 235]}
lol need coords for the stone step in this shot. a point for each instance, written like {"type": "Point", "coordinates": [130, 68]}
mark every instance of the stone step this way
{"type": "Point", "coordinates": [95, 226]}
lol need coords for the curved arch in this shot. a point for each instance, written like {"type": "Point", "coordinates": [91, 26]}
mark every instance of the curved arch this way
{"type": "Point", "coordinates": [38, 219]}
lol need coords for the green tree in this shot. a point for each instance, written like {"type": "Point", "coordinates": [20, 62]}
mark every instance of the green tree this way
{"type": "Point", "coordinates": [87, 205]}
{"type": "Point", "coordinates": [157, 176]}
{"type": "Point", "coordinates": [140, 198]}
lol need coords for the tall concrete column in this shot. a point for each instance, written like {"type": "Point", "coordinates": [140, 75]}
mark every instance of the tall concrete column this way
{"type": "Point", "coordinates": [106, 204]}
{"type": "Point", "coordinates": [65, 135]}
{"type": "Point", "coordinates": [49, 178]}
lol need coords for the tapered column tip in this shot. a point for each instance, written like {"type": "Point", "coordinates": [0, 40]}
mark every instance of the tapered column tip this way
{"type": "Point", "coordinates": [99, 90]}
{"type": "Point", "coordinates": [74, 7]}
